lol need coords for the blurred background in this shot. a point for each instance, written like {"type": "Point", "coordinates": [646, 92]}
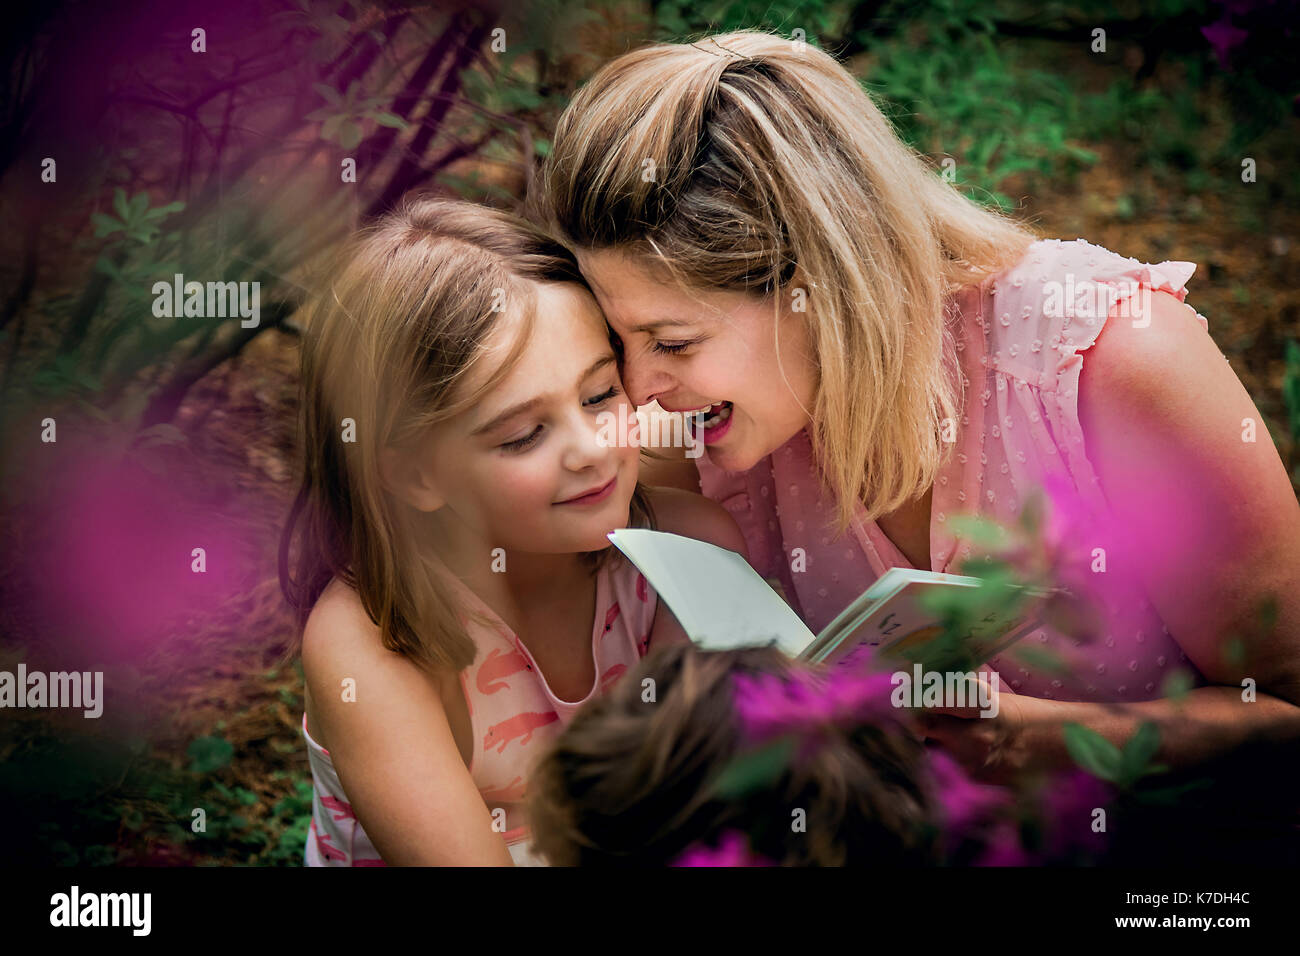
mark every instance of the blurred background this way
{"type": "Point", "coordinates": [239, 141]}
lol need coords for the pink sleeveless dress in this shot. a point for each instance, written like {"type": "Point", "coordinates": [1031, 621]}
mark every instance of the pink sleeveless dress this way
{"type": "Point", "coordinates": [1019, 345]}
{"type": "Point", "coordinates": [513, 714]}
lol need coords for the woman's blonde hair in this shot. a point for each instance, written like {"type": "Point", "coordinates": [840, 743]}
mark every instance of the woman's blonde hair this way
{"type": "Point", "coordinates": [731, 161]}
{"type": "Point", "coordinates": [402, 318]}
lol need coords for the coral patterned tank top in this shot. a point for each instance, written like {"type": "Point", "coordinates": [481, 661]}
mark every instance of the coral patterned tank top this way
{"type": "Point", "coordinates": [513, 714]}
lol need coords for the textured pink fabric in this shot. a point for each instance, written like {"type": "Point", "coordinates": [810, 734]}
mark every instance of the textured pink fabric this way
{"type": "Point", "coordinates": [1020, 336]}
{"type": "Point", "coordinates": [513, 712]}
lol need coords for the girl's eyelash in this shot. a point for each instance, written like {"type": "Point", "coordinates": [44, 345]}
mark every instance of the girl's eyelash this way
{"type": "Point", "coordinates": [671, 349]}
{"type": "Point", "coordinates": [520, 444]}
{"type": "Point", "coordinates": [605, 396]}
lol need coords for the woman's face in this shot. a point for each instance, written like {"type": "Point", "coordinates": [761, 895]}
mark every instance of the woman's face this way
{"type": "Point", "coordinates": [690, 349]}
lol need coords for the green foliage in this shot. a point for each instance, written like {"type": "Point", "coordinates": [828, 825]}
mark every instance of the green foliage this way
{"type": "Point", "coordinates": [137, 221]}
{"type": "Point", "coordinates": [343, 116]}
{"type": "Point", "coordinates": [950, 92]}
{"type": "Point", "coordinates": [1177, 685]}
{"type": "Point", "coordinates": [755, 769]}
{"type": "Point", "coordinates": [1101, 758]}
{"type": "Point", "coordinates": [1291, 387]}
{"type": "Point", "coordinates": [209, 754]}
{"type": "Point", "coordinates": [683, 19]}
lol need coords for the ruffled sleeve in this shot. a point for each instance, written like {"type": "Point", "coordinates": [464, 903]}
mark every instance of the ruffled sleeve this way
{"type": "Point", "coordinates": [1051, 308]}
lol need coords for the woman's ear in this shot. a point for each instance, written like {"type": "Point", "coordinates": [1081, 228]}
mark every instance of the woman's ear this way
{"type": "Point", "coordinates": [408, 481]}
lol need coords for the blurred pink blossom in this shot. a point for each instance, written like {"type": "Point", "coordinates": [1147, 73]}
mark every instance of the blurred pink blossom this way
{"type": "Point", "coordinates": [732, 850]}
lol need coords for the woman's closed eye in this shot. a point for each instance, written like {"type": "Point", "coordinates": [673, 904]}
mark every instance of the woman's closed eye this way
{"type": "Point", "coordinates": [671, 348]}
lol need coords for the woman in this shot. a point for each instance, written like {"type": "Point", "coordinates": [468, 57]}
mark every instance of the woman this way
{"type": "Point", "coordinates": [878, 355]}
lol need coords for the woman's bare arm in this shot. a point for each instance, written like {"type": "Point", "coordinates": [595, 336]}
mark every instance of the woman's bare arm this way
{"type": "Point", "coordinates": [1215, 528]}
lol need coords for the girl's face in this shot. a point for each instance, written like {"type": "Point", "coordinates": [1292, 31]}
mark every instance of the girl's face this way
{"type": "Point", "coordinates": [547, 461]}
{"type": "Point", "coordinates": [709, 349]}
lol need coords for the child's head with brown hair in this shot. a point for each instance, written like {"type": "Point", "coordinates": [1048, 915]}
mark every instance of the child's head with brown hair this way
{"type": "Point", "coordinates": [632, 779]}
{"type": "Point", "coordinates": [459, 392]}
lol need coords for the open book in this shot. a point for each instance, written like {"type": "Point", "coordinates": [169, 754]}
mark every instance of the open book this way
{"type": "Point", "coordinates": [721, 602]}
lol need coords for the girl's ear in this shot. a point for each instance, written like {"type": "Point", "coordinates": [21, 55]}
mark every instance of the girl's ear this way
{"type": "Point", "coordinates": [406, 480]}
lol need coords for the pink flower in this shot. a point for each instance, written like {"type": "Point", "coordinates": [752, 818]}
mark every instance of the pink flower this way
{"type": "Point", "coordinates": [1003, 847]}
{"type": "Point", "coordinates": [1068, 802]}
{"type": "Point", "coordinates": [966, 808]}
{"type": "Point", "coordinates": [810, 704]}
{"type": "Point", "coordinates": [732, 850]}
{"type": "Point", "coordinates": [1224, 38]}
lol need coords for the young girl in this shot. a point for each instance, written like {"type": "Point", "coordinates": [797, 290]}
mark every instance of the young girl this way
{"type": "Point", "coordinates": [468, 446]}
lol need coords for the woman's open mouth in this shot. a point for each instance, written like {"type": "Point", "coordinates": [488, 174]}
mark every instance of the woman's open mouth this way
{"type": "Point", "coordinates": [710, 424]}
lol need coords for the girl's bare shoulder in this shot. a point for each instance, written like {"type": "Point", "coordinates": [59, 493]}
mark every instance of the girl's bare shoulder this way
{"type": "Point", "coordinates": [695, 516]}
{"type": "Point", "coordinates": [341, 640]}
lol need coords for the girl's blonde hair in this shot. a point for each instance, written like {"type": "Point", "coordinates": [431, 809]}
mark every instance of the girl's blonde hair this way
{"type": "Point", "coordinates": [401, 320]}
{"type": "Point", "coordinates": [731, 161]}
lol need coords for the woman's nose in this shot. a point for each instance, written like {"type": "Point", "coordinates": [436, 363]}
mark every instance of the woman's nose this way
{"type": "Point", "coordinates": [643, 381]}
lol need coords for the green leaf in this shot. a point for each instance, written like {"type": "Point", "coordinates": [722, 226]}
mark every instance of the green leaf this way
{"type": "Point", "coordinates": [1139, 750]}
{"type": "Point", "coordinates": [1093, 752]}
{"type": "Point", "coordinates": [209, 754]}
{"type": "Point", "coordinates": [1040, 658]}
{"type": "Point", "coordinates": [350, 134]}
{"type": "Point", "coordinates": [1170, 796]}
{"type": "Point", "coordinates": [754, 769]}
{"type": "Point", "coordinates": [120, 205]}
{"type": "Point", "coordinates": [106, 266]}
{"type": "Point", "coordinates": [391, 119]}
{"type": "Point", "coordinates": [1177, 685]}
{"type": "Point", "coordinates": [1291, 386]}
{"type": "Point", "coordinates": [105, 225]}
{"type": "Point", "coordinates": [977, 530]}
{"type": "Point", "coordinates": [161, 212]}
{"type": "Point", "coordinates": [331, 95]}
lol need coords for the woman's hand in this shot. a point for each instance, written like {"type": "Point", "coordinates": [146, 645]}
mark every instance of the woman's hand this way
{"type": "Point", "coordinates": [997, 748]}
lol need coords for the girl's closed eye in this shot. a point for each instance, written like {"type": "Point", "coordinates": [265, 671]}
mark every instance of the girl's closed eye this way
{"type": "Point", "coordinates": [604, 396]}
{"type": "Point", "coordinates": [519, 444]}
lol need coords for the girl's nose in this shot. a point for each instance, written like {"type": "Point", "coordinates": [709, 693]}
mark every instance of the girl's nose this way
{"type": "Point", "coordinates": [590, 440]}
